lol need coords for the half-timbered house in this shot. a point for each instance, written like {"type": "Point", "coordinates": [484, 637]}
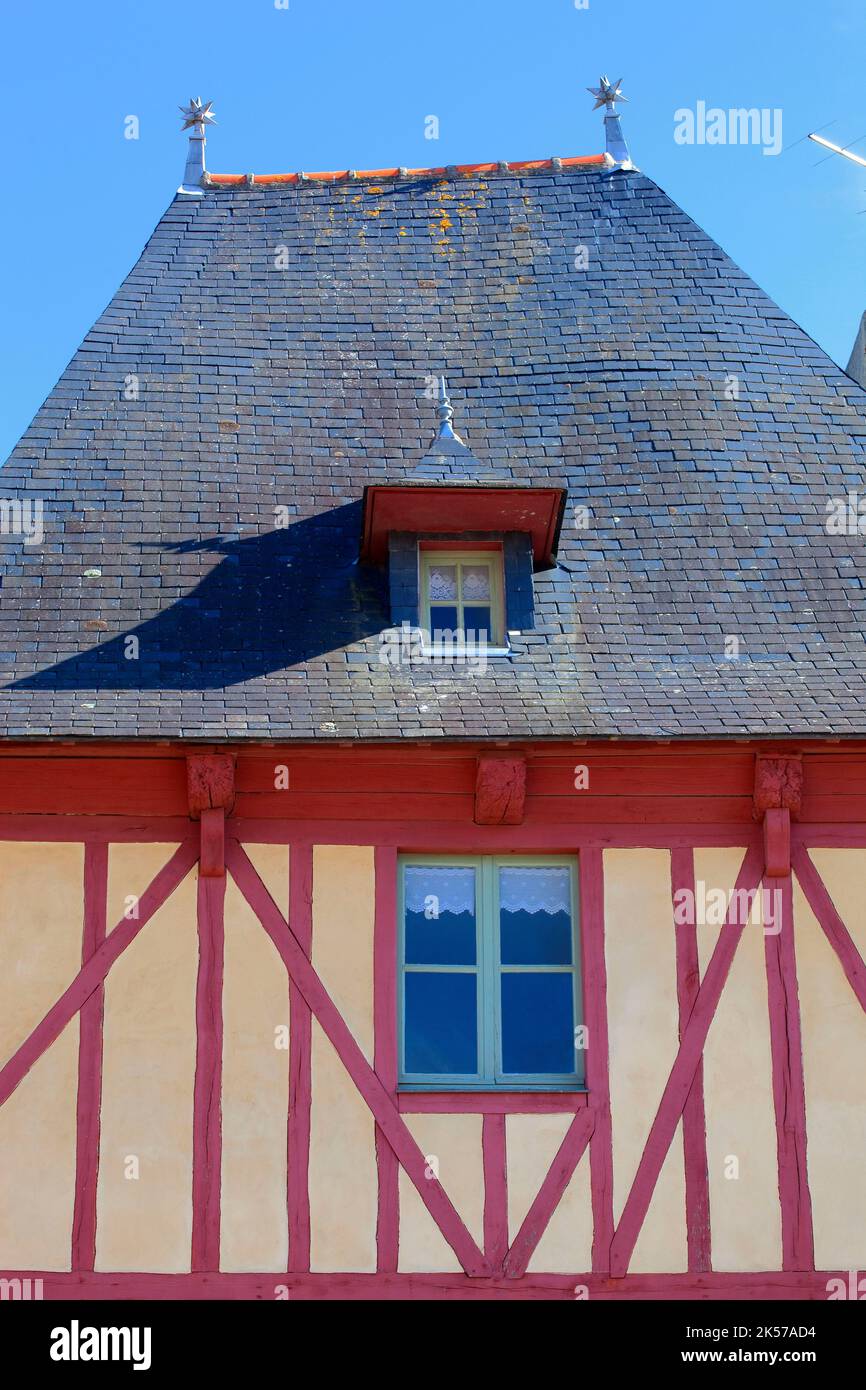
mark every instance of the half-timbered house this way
{"type": "Point", "coordinates": [433, 817]}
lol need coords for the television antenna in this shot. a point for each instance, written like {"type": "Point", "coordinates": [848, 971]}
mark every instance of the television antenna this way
{"type": "Point", "coordinates": [837, 149]}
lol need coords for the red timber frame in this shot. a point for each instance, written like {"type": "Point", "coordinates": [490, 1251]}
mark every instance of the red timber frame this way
{"type": "Point", "coordinates": [426, 799]}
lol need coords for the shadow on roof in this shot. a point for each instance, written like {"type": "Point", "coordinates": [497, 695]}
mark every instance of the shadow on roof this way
{"type": "Point", "coordinates": [274, 601]}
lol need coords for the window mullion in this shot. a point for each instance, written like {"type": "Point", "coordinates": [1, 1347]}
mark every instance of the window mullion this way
{"type": "Point", "coordinates": [484, 972]}
{"type": "Point", "coordinates": [497, 983]}
{"type": "Point", "coordinates": [493, 991]}
{"type": "Point", "coordinates": [482, 957]}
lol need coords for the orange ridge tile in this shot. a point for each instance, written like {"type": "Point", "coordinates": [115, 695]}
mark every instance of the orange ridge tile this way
{"type": "Point", "coordinates": [441, 171]}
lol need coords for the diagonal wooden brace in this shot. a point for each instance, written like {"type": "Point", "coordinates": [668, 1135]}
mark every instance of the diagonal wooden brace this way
{"type": "Point", "coordinates": [371, 1089]}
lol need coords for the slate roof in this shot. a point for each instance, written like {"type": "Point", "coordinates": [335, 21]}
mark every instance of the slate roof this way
{"type": "Point", "coordinates": [702, 428]}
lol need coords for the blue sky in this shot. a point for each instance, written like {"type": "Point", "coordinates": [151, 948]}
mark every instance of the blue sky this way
{"type": "Point", "coordinates": [326, 84]}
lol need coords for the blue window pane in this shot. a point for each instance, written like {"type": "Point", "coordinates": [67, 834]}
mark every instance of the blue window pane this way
{"type": "Point", "coordinates": [535, 916]}
{"type": "Point", "coordinates": [441, 1029]}
{"type": "Point", "coordinates": [443, 619]}
{"type": "Point", "coordinates": [476, 618]}
{"type": "Point", "coordinates": [538, 1024]}
{"type": "Point", "coordinates": [440, 915]}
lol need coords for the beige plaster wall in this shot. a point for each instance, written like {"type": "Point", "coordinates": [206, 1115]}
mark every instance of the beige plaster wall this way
{"type": "Point", "coordinates": [41, 922]}
{"type": "Point", "coordinates": [452, 1145]}
{"type": "Point", "coordinates": [532, 1142]}
{"type": "Point", "coordinates": [343, 1182]}
{"type": "Point", "coordinates": [834, 1064]}
{"type": "Point", "coordinates": [745, 1216]}
{"type": "Point", "coordinates": [148, 1078]}
{"type": "Point", "coordinates": [255, 1095]}
{"type": "Point", "coordinates": [640, 954]}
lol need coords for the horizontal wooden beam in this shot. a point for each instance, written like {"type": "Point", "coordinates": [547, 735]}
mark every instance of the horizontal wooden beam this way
{"type": "Point", "coordinates": [771, 1285]}
{"type": "Point", "coordinates": [649, 783]}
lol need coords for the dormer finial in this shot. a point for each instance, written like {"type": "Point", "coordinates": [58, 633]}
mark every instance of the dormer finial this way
{"type": "Point", "coordinates": [195, 117]}
{"type": "Point", "coordinates": [607, 94]}
{"type": "Point", "coordinates": [446, 414]}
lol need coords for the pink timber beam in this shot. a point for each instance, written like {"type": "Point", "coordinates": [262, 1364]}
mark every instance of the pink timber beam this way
{"type": "Point", "coordinates": [789, 1094]}
{"type": "Point", "coordinates": [455, 1287]}
{"type": "Point", "coordinates": [682, 1073]}
{"type": "Point", "coordinates": [495, 1191]}
{"type": "Point", "coordinates": [210, 788]}
{"type": "Point", "coordinates": [694, 1119]}
{"type": "Point", "coordinates": [207, 1092]}
{"type": "Point", "coordinates": [300, 1066]}
{"type": "Point", "coordinates": [591, 872]}
{"type": "Point", "coordinates": [778, 796]}
{"type": "Point", "coordinates": [385, 1054]}
{"type": "Point", "coordinates": [90, 1063]}
{"type": "Point", "coordinates": [380, 1103]}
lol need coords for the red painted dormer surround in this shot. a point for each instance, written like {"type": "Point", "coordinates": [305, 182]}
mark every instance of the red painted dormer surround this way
{"type": "Point", "coordinates": [441, 509]}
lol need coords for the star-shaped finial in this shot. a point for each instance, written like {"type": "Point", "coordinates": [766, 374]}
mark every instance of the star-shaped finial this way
{"type": "Point", "coordinates": [197, 113]}
{"type": "Point", "coordinates": [606, 93]}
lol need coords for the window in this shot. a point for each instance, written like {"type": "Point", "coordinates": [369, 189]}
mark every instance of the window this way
{"type": "Point", "coordinates": [489, 990]}
{"type": "Point", "coordinates": [461, 596]}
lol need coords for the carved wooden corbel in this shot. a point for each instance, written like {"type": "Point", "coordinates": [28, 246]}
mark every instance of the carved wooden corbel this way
{"type": "Point", "coordinates": [500, 790]}
{"type": "Point", "coordinates": [778, 795]}
{"type": "Point", "coordinates": [210, 781]}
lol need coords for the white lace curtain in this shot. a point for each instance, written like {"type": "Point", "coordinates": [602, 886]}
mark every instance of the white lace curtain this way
{"type": "Point", "coordinates": [535, 890]}
{"type": "Point", "coordinates": [454, 889]}
{"type": "Point", "coordinates": [476, 583]}
{"type": "Point", "coordinates": [521, 889]}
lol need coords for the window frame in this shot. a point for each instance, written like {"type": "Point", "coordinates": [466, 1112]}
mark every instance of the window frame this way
{"type": "Point", "coordinates": [442, 553]}
{"type": "Point", "coordinates": [488, 971]}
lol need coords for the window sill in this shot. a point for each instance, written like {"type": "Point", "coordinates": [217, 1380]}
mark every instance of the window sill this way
{"type": "Point", "coordinates": [487, 1102]}
{"type": "Point", "coordinates": [461, 654]}
{"type": "Point", "coordinates": [458, 1087]}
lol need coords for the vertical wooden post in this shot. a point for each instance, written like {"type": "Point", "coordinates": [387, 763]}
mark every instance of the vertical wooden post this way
{"type": "Point", "coordinates": [495, 1192]}
{"type": "Point", "coordinates": [210, 787]}
{"type": "Point", "coordinates": [207, 1099]}
{"type": "Point", "coordinates": [789, 1091]}
{"type": "Point", "coordinates": [385, 1052]}
{"type": "Point", "coordinates": [300, 1066]}
{"type": "Point", "coordinates": [597, 1067]}
{"type": "Point", "coordinates": [694, 1119]}
{"type": "Point", "coordinates": [778, 797]}
{"type": "Point", "coordinates": [90, 1064]}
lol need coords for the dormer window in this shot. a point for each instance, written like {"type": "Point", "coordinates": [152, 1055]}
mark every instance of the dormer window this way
{"type": "Point", "coordinates": [462, 595]}
{"type": "Point", "coordinates": [462, 541]}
